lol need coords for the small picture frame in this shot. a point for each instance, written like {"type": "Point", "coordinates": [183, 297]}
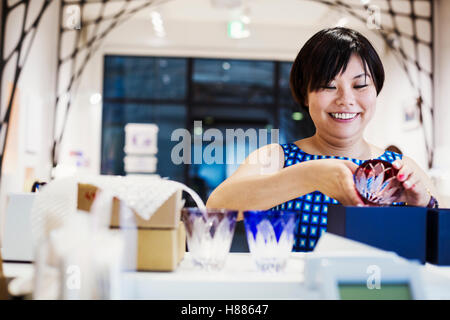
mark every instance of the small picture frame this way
{"type": "Point", "coordinates": [411, 113]}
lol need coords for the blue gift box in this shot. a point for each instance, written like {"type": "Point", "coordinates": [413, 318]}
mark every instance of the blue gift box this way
{"type": "Point", "coordinates": [400, 229]}
{"type": "Point", "coordinates": [438, 236]}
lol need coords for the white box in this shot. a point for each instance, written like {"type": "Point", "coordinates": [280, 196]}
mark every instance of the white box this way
{"type": "Point", "coordinates": [143, 164]}
{"type": "Point", "coordinates": [17, 239]}
{"type": "Point", "coordinates": [141, 138]}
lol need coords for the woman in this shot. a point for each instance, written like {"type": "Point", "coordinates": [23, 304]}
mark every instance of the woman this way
{"type": "Point", "coordinates": [337, 76]}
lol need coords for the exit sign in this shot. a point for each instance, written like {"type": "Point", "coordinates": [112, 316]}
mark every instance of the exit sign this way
{"type": "Point", "coordinates": [236, 30]}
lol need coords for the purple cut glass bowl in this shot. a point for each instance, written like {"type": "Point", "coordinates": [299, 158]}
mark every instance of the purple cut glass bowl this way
{"type": "Point", "coordinates": [376, 182]}
{"type": "Point", "coordinates": [209, 235]}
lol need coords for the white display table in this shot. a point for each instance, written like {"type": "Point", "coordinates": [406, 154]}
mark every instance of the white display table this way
{"type": "Point", "coordinates": [239, 280]}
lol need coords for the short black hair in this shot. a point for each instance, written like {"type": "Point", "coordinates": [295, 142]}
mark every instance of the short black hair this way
{"type": "Point", "coordinates": [325, 54]}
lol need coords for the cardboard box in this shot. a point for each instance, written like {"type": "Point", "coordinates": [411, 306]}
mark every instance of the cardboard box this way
{"type": "Point", "coordinates": [3, 284]}
{"type": "Point", "coordinates": [438, 236]}
{"type": "Point", "coordinates": [4, 295]}
{"type": "Point", "coordinates": [402, 230]}
{"type": "Point", "coordinates": [18, 226]}
{"type": "Point", "coordinates": [161, 240]}
{"type": "Point", "coordinates": [157, 249]}
{"type": "Point", "coordinates": [160, 249]}
{"type": "Point", "coordinates": [167, 216]}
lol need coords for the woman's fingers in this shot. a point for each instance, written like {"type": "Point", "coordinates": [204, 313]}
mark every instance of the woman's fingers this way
{"type": "Point", "coordinates": [411, 183]}
{"type": "Point", "coordinates": [406, 176]}
{"type": "Point", "coordinates": [352, 166]}
{"type": "Point", "coordinates": [356, 199]}
{"type": "Point", "coordinates": [415, 192]}
{"type": "Point", "coordinates": [404, 173]}
{"type": "Point", "coordinates": [348, 186]}
{"type": "Point", "coordinates": [397, 164]}
{"type": "Point", "coordinates": [351, 194]}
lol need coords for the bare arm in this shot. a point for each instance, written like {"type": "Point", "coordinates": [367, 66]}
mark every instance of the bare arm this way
{"type": "Point", "coordinates": [261, 182]}
{"type": "Point", "coordinates": [261, 192]}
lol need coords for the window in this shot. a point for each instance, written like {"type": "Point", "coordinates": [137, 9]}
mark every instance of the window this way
{"type": "Point", "coordinates": [233, 81]}
{"type": "Point", "coordinates": [175, 92]}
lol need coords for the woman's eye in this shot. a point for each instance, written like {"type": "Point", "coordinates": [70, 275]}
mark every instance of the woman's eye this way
{"type": "Point", "coordinates": [330, 87]}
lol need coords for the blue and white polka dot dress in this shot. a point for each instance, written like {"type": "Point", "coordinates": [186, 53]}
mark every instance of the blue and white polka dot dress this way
{"type": "Point", "coordinates": [313, 207]}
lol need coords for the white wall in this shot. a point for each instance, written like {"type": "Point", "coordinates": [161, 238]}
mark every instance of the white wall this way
{"type": "Point", "coordinates": [442, 96]}
{"type": "Point", "coordinates": [201, 39]}
{"type": "Point", "coordinates": [387, 127]}
{"type": "Point", "coordinates": [193, 39]}
{"type": "Point", "coordinates": [35, 99]}
{"type": "Point", "coordinates": [208, 39]}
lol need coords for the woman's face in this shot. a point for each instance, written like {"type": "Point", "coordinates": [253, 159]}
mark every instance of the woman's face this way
{"type": "Point", "coordinates": [343, 108]}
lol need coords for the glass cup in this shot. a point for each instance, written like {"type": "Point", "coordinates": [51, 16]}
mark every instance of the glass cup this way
{"type": "Point", "coordinates": [209, 235]}
{"type": "Point", "coordinates": [270, 236]}
{"type": "Point", "coordinates": [376, 182]}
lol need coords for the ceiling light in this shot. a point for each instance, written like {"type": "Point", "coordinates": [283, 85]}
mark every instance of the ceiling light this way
{"type": "Point", "coordinates": [245, 19]}
{"type": "Point", "coordinates": [297, 116]}
{"type": "Point", "coordinates": [158, 24]}
{"type": "Point", "coordinates": [236, 30]}
{"type": "Point", "coordinates": [95, 98]}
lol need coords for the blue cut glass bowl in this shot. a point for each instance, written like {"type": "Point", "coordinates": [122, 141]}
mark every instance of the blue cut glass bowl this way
{"type": "Point", "coordinates": [270, 237]}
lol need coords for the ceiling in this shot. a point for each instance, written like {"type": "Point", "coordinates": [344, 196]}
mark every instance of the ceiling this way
{"type": "Point", "coordinates": [279, 12]}
{"type": "Point", "coordinates": [289, 13]}
{"type": "Point", "coordinates": [268, 12]}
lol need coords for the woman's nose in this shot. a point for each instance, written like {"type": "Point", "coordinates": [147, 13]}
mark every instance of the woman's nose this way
{"type": "Point", "coordinates": [345, 97]}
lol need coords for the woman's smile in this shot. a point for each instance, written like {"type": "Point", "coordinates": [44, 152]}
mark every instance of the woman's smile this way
{"type": "Point", "coordinates": [344, 117]}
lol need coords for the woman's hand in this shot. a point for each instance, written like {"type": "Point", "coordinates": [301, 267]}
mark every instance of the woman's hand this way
{"type": "Point", "coordinates": [415, 193]}
{"type": "Point", "coordinates": [334, 178]}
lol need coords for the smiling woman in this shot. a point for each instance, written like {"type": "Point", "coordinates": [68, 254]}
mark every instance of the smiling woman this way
{"type": "Point", "coordinates": [336, 76]}
{"type": "Point", "coordinates": [342, 108]}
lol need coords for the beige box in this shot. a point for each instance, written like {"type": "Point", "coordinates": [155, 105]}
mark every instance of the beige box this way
{"type": "Point", "coordinates": [4, 295]}
{"type": "Point", "coordinates": [167, 216]}
{"type": "Point", "coordinates": [157, 249]}
{"type": "Point", "coordinates": [161, 240]}
{"type": "Point", "coordinates": [160, 249]}
{"type": "Point", "coordinates": [3, 284]}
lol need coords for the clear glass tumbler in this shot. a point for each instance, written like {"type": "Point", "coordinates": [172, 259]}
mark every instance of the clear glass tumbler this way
{"type": "Point", "coordinates": [270, 236]}
{"type": "Point", "coordinates": [209, 235]}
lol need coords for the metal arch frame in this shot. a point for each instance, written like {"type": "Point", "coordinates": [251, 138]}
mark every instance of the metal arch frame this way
{"type": "Point", "coordinates": [18, 51]}
{"type": "Point", "coordinates": [91, 46]}
{"type": "Point", "coordinates": [384, 33]}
